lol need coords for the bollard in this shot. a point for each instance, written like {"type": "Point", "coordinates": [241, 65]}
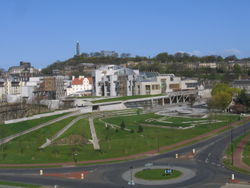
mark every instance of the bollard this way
{"type": "Point", "coordinates": [41, 172]}
{"type": "Point", "coordinates": [176, 156]}
{"type": "Point", "coordinates": [232, 176]}
{"type": "Point", "coordinates": [193, 151]}
{"type": "Point", "coordinates": [82, 176]}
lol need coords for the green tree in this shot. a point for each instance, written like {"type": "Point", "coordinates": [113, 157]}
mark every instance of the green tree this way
{"type": "Point", "coordinates": [140, 129]}
{"type": "Point", "coordinates": [222, 96]}
{"type": "Point", "coordinates": [122, 125]}
{"type": "Point", "coordinates": [162, 57]}
{"type": "Point", "coordinates": [220, 100]}
{"type": "Point", "coordinates": [237, 68]}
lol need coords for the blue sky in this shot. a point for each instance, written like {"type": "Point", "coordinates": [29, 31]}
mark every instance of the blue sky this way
{"type": "Point", "coordinates": [43, 31]}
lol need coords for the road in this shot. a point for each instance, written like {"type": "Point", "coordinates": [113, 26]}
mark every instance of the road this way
{"type": "Point", "coordinates": [207, 165]}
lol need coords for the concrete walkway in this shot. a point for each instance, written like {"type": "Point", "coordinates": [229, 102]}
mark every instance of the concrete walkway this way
{"type": "Point", "coordinates": [59, 133]}
{"type": "Point", "coordinates": [9, 138]}
{"type": "Point", "coordinates": [93, 134]}
{"type": "Point", "coordinates": [186, 174]}
{"type": "Point", "coordinates": [238, 154]}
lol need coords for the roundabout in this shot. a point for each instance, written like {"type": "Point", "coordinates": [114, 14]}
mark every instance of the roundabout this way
{"type": "Point", "coordinates": [149, 175]}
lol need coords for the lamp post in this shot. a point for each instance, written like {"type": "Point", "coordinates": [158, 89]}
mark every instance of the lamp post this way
{"type": "Point", "coordinates": [131, 181]}
{"type": "Point", "coordinates": [232, 148]}
{"type": "Point", "coordinates": [75, 157]}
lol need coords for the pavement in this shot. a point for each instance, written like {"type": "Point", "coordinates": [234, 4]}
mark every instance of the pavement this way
{"type": "Point", "coordinates": [93, 134]}
{"type": "Point", "coordinates": [207, 165]}
{"type": "Point", "coordinates": [238, 154]}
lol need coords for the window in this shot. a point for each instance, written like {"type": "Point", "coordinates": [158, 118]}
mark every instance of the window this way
{"type": "Point", "coordinates": [155, 87]}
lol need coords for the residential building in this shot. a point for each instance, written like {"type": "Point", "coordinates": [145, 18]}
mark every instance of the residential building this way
{"type": "Point", "coordinates": [2, 90]}
{"type": "Point", "coordinates": [211, 65]}
{"type": "Point", "coordinates": [80, 86]}
{"type": "Point", "coordinates": [23, 71]}
{"type": "Point", "coordinates": [242, 84]}
{"type": "Point", "coordinates": [51, 87]}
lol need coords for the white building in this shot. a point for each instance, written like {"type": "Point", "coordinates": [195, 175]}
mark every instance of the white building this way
{"type": "Point", "coordinates": [113, 80]}
{"type": "Point", "coordinates": [80, 86]}
{"type": "Point", "coordinates": [163, 83]}
{"type": "Point", "coordinates": [2, 90]}
{"type": "Point", "coordinates": [27, 91]}
{"type": "Point", "coordinates": [210, 65]}
{"type": "Point", "coordinates": [13, 86]}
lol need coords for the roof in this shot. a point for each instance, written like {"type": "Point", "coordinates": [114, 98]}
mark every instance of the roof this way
{"type": "Point", "coordinates": [240, 82]}
{"type": "Point", "coordinates": [77, 81]}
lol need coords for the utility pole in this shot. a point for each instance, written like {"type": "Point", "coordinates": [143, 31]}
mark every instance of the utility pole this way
{"type": "Point", "coordinates": [158, 144]}
{"type": "Point", "coordinates": [232, 148]}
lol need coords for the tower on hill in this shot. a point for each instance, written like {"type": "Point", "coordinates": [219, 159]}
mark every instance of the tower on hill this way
{"type": "Point", "coordinates": [77, 48]}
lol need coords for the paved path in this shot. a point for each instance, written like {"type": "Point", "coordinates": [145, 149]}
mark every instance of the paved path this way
{"type": "Point", "coordinates": [186, 174]}
{"type": "Point", "coordinates": [9, 138]}
{"type": "Point", "coordinates": [93, 134]}
{"type": "Point", "coordinates": [59, 133]}
{"type": "Point", "coordinates": [238, 154]}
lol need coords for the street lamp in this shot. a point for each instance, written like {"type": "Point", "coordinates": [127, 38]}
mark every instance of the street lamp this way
{"type": "Point", "coordinates": [75, 157]}
{"type": "Point", "coordinates": [131, 181]}
{"type": "Point", "coordinates": [232, 146]}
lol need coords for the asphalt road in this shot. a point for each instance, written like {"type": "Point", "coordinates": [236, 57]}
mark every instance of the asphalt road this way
{"type": "Point", "coordinates": [207, 165]}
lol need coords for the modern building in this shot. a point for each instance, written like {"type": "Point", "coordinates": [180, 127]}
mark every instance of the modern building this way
{"type": "Point", "coordinates": [154, 84]}
{"type": "Point", "coordinates": [113, 80]}
{"type": "Point", "coordinates": [80, 86]}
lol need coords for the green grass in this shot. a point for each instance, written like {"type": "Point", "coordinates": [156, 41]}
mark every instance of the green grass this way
{"type": "Point", "coordinates": [18, 184]}
{"type": "Point", "coordinates": [172, 121]}
{"type": "Point", "coordinates": [24, 149]}
{"type": "Point", "coordinates": [124, 98]}
{"type": "Point", "coordinates": [157, 174]}
{"type": "Point", "coordinates": [79, 128]}
{"type": "Point", "coordinates": [114, 143]}
{"type": "Point", "coordinates": [228, 155]}
{"type": "Point", "coordinates": [13, 128]}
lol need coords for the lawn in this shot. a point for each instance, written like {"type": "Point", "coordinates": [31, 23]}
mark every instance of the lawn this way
{"type": "Point", "coordinates": [117, 142]}
{"type": "Point", "coordinates": [157, 174]}
{"type": "Point", "coordinates": [124, 98]}
{"type": "Point", "coordinates": [154, 119]}
{"type": "Point", "coordinates": [24, 149]}
{"type": "Point", "coordinates": [15, 184]}
{"type": "Point", "coordinates": [73, 145]}
{"type": "Point", "coordinates": [13, 128]}
{"type": "Point", "coordinates": [228, 154]}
